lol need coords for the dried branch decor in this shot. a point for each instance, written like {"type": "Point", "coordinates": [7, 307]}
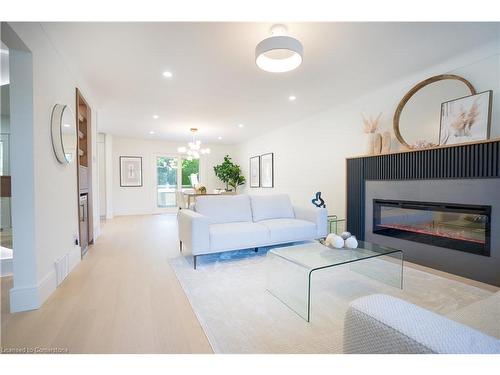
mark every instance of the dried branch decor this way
{"type": "Point", "coordinates": [371, 125]}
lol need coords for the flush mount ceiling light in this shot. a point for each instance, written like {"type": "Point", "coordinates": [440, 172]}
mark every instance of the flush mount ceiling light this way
{"type": "Point", "coordinates": [193, 149]}
{"type": "Point", "coordinates": [167, 74]}
{"type": "Point", "coordinates": [292, 98]}
{"type": "Point", "coordinates": [279, 53]}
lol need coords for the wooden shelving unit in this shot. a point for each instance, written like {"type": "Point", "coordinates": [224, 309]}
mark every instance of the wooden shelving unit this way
{"type": "Point", "coordinates": [84, 169]}
{"type": "Point", "coordinates": [83, 130]}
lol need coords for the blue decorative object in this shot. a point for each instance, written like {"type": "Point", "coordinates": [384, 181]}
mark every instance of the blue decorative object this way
{"type": "Point", "coordinates": [318, 201]}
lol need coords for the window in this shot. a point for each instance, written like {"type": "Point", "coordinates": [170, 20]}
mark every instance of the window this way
{"type": "Point", "coordinates": [173, 174]}
{"type": "Point", "coordinates": [166, 181]}
{"type": "Point", "coordinates": [190, 172]}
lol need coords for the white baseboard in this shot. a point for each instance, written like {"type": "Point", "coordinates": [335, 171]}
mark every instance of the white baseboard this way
{"type": "Point", "coordinates": [133, 212]}
{"type": "Point", "coordinates": [170, 210]}
{"type": "Point", "coordinates": [33, 296]}
{"type": "Point", "coordinates": [97, 231]}
{"type": "Point", "coordinates": [75, 256]}
{"type": "Point", "coordinates": [24, 299]}
{"type": "Point", "coordinates": [47, 286]}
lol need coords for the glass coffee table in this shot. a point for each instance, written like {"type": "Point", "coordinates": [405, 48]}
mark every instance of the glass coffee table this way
{"type": "Point", "coordinates": [291, 269]}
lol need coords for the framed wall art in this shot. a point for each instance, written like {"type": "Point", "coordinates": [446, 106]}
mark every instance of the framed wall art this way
{"type": "Point", "coordinates": [466, 119]}
{"type": "Point", "coordinates": [130, 171]}
{"type": "Point", "coordinates": [267, 170]}
{"type": "Point", "coordinates": [255, 172]}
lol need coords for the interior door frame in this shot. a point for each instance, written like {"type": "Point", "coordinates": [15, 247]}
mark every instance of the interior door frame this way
{"type": "Point", "coordinates": [90, 201]}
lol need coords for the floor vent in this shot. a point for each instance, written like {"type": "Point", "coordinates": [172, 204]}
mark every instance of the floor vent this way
{"type": "Point", "coordinates": [62, 268]}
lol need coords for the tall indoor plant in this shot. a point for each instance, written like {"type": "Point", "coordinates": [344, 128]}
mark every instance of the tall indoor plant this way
{"type": "Point", "coordinates": [229, 173]}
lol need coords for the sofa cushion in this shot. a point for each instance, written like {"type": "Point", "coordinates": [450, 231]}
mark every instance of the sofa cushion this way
{"type": "Point", "coordinates": [276, 206]}
{"type": "Point", "coordinates": [289, 230]}
{"type": "Point", "coordinates": [242, 235]}
{"type": "Point", "coordinates": [224, 208]}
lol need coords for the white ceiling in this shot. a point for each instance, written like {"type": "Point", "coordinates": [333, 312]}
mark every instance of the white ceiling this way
{"type": "Point", "coordinates": [216, 84]}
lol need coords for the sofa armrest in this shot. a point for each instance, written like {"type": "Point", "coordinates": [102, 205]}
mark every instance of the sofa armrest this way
{"type": "Point", "coordinates": [316, 215]}
{"type": "Point", "coordinates": [384, 324]}
{"type": "Point", "coordinates": [193, 231]}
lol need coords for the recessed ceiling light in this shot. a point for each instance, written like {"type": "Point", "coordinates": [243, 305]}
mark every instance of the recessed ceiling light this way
{"type": "Point", "coordinates": [151, 132]}
{"type": "Point", "coordinates": [292, 98]}
{"type": "Point", "coordinates": [240, 125]}
{"type": "Point", "coordinates": [167, 74]}
{"type": "Point", "coordinates": [219, 138]}
{"type": "Point", "coordinates": [156, 117]}
{"type": "Point", "coordinates": [67, 125]}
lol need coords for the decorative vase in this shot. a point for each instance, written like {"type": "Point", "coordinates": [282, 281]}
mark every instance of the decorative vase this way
{"type": "Point", "coordinates": [370, 141]}
{"type": "Point", "coordinates": [386, 142]}
{"type": "Point", "coordinates": [377, 144]}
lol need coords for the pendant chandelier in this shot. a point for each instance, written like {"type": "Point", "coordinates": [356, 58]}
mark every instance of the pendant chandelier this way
{"type": "Point", "coordinates": [193, 149]}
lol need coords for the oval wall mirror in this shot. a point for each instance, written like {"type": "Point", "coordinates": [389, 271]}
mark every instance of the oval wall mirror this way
{"type": "Point", "coordinates": [418, 115]}
{"type": "Point", "coordinates": [64, 134]}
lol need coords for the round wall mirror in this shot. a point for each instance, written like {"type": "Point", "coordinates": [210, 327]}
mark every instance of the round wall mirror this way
{"type": "Point", "coordinates": [418, 116]}
{"type": "Point", "coordinates": [64, 134]}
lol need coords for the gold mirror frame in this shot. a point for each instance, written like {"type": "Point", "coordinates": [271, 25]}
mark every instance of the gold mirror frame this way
{"type": "Point", "coordinates": [413, 90]}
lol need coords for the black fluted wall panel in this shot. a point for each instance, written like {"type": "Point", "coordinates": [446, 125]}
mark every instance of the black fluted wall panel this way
{"type": "Point", "coordinates": [480, 160]}
{"type": "Point", "coordinates": [356, 196]}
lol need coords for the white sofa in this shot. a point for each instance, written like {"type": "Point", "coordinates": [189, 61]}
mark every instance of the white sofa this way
{"type": "Point", "coordinates": [381, 324]}
{"type": "Point", "coordinates": [235, 222]}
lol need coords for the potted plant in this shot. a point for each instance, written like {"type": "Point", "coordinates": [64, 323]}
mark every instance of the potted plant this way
{"type": "Point", "coordinates": [229, 173]}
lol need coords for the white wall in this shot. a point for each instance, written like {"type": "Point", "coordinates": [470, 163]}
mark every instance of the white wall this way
{"type": "Point", "coordinates": [108, 156]}
{"type": "Point", "coordinates": [54, 199]}
{"type": "Point", "coordinates": [101, 166]}
{"type": "Point", "coordinates": [310, 154]}
{"type": "Point", "coordinates": [142, 200]}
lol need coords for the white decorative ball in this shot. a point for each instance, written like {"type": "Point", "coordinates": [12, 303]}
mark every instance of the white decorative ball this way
{"type": "Point", "coordinates": [351, 242]}
{"type": "Point", "coordinates": [337, 242]}
{"type": "Point", "coordinates": [329, 239]}
{"type": "Point", "coordinates": [345, 235]}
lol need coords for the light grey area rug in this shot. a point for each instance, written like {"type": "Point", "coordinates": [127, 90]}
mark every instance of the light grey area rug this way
{"type": "Point", "coordinates": [228, 294]}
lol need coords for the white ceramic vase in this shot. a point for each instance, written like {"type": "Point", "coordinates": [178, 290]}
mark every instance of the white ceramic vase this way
{"type": "Point", "coordinates": [386, 142]}
{"type": "Point", "coordinates": [377, 144]}
{"type": "Point", "coordinates": [370, 142]}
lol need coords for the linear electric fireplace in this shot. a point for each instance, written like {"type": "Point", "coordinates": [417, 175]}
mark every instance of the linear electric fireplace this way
{"type": "Point", "coordinates": [461, 227]}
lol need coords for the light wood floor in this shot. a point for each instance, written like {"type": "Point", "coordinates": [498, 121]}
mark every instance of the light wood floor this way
{"type": "Point", "coordinates": [122, 298]}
